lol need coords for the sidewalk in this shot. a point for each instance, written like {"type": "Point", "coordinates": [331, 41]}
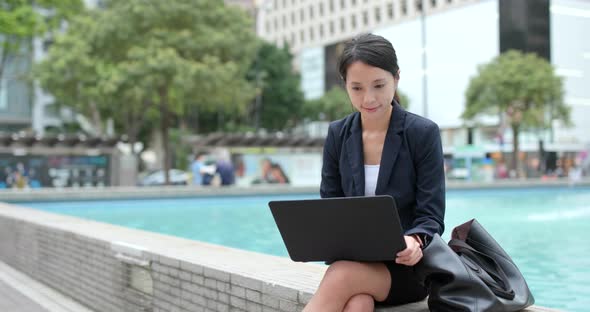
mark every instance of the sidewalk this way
{"type": "Point", "coordinates": [14, 301]}
{"type": "Point", "coordinates": [20, 293]}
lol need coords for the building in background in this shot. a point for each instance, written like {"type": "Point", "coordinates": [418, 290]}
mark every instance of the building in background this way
{"type": "Point", "coordinates": [248, 5]}
{"type": "Point", "coordinates": [16, 98]}
{"type": "Point", "coordinates": [439, 44]}
{"type": "Point", "coordinates": [23, 104]}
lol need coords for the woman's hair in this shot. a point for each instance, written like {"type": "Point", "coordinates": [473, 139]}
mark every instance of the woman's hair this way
{"type": "Point", "coordinates": [372, 50]}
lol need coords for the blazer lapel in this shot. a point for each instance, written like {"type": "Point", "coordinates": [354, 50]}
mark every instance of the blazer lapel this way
{"type": "Point", "coordinates": [354, 149]}
{"type": "Point", "coordinates": [391, 147]}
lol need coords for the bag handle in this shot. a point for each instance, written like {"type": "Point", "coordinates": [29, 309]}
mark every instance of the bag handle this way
{"type": "Point", "coordinates": [495, 278]}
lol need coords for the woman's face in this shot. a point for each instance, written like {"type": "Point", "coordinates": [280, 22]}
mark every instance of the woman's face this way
{"type": "Point", "coordinates": [370, 89]}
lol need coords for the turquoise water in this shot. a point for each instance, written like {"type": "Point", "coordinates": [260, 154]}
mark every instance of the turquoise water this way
{"type": "Point", "coordinates": [544, 230]}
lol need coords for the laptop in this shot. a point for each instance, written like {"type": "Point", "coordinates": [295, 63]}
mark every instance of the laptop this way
{"type": "Point", "coordinates": [363, 228]}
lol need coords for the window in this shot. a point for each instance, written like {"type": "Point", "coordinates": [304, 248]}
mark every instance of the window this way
{"type": "Point", "coordinates": [433, 3]}
{"type": "Point", "coordinates": [353, 2]}
{"type": "Point", "coordinates": [342, 4]}
{"type": "Point", "coordinates": [365, 18]}
{"type": "Point", "coordinates": [3, 94]}
{"type": "Point", "coordinates": [353, 21]}
{"type": "Point", "coordinates": [331, 3]}
{"type": "Point", "coordinates": [377, 15]}
{"type": "Point", "coordinates": [342, 24]}
{"type": "Point", "coordinates": [284, 21]}
{"type": "Point", "coordinates": [404, 8]}
{"type": "Point", "coordinates": [276, 22]}
{"type": "Point", "coordinates": [292, 39]}
{"type": "Point", "coordinates": [321, 9]}
{"type": "Point", "coordinates": [390, 10]}
{"type": "Point", "coordinates": [311, 12]}
{"type": "Point", "coordinates": [418, 5]}
{"type": "Point", "coordinates": [293, 18]}
{"type": "Point", "coordinates": [301, 16]}
{"type": "Point", "coordinates": [311, 34]}
{"type": "Point", "coordinates": [321, 31]}
{"type": "Point", "coordinates": [267, 26]}
{"type": "Point", "coordinates": [331, 27]}
{"type": "Point", "coordinates": [301, 36]}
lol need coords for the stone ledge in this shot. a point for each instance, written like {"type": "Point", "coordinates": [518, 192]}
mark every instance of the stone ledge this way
{"type": "Point", "coordinates": [213, 274]}
{"type": "Point", "coordinates": [129, 192]}
{"type": "Point", "coordinates": [423, 307]}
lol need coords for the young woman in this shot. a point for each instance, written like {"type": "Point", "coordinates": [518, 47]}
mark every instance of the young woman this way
{"type": "Point", "coordinates": [381, 150]}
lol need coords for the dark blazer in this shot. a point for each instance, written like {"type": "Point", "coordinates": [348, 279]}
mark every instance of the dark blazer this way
{"type": "Point", "coordinates": [411, 169]}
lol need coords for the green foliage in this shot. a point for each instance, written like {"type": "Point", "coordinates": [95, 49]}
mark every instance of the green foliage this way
{"type": "Point", "coordinates": [181, 153]}
{"type": "Point", "coordinates": [24, 18]}
{"type": "Point", "coordinates": [404, 100]}
{"type": "Point", "coordinates": [143, 62]}
{"type": "Point", "coordinates": [333, 105]}
{"type": "Point", "coordinates": [281, 97]}
{"type": "Point", "coordinates": [20, 20]}
{"type": "Point", "coordinates": [523, 88]}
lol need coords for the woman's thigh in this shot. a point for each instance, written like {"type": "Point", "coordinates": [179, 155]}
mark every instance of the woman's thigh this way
{"type": "Point", "coordinates": [354, 278]}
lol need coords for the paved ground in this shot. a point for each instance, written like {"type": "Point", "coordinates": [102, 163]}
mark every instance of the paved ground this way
{"type": "Point", "coordinates": [20, 293]}
{"type": "Point", "coordinates": [11, 300]}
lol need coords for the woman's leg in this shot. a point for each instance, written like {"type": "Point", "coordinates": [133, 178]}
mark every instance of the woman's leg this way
{"type": "Point", "coordinates": [345, 279]}
{"type": "Point", "coordinates": [360, 303]}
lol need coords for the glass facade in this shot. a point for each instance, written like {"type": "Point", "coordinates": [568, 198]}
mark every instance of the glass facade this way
{"type": "Point", "coordinates": [570, 53]}
{"type": "Point", "coordinates": [15, 92]}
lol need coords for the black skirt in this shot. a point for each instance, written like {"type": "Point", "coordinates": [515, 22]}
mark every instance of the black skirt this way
{"type": "Point", "coordinates": [406, 287]}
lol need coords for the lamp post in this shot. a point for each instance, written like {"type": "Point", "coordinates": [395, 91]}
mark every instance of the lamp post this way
{"type": "Point", "coordinates": [424, 60]}
{"type": "Point", "coordinates": [260, 6]}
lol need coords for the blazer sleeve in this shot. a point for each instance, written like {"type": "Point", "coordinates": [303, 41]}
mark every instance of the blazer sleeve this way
{"type": "Point", "coordinates": [430, 184]}
{"type": "Point", "coordinates": [331, 181]}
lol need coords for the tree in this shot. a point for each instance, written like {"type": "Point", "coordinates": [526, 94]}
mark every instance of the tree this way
{"type": "Point", "coordinates": [335, 104]}
{"type": "Point", "coordinates": [148, 61]}
{"type": "Point", "coordinates": [280, 98]}
{"type": "Point", "coordinates": [523, 89]}
{"type": "Point", "coordinates": [70, 71]}
{"type": "Point", "coordinates": [404, 99]}
{"type": "Point", "coordinates": [20, 20]}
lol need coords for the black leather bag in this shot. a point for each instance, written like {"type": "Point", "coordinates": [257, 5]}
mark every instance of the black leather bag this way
{"type": "Point", "coordinates": [472, 273]}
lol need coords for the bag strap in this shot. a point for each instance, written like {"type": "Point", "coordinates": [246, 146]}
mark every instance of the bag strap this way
{"type": "Point", "coordinates": [495, 278]}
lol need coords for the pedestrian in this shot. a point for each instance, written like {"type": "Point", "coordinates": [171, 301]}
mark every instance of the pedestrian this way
{"type": "Point", "coordinates": [197, 168]}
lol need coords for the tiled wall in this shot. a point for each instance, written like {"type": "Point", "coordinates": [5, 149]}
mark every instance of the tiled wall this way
{"type": "Point", "coordinates": [97, 274]}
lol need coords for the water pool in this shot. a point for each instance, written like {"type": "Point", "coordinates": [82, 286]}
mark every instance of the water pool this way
{"type": "Point", "coordinates": [543, 229]}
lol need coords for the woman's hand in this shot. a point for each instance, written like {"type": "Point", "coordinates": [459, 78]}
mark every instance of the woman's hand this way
{"type": "Point", "coordinates": [412, 254]}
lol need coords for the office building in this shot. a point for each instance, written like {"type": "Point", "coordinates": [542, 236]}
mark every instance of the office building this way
{"type": "Point", "coordinates": [439, 44]}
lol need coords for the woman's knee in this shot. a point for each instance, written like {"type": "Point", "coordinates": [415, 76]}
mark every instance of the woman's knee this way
{"type": "Point", "coordinates": [349, 278]}
{"type": "Point", "coordinates": [360, 303]}
{"type": "Point", "coordinates": [340, 272]}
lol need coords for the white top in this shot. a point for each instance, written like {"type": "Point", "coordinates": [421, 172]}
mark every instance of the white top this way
{"type": "Point", "coordinates": [371, 174]}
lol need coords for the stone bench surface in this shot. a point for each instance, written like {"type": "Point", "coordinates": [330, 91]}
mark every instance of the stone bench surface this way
{"type": "Point", "coordinates": [423, 307]}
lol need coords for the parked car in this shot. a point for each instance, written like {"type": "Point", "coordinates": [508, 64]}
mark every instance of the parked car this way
{"type": "Point", "coordinates": [177, 177]}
